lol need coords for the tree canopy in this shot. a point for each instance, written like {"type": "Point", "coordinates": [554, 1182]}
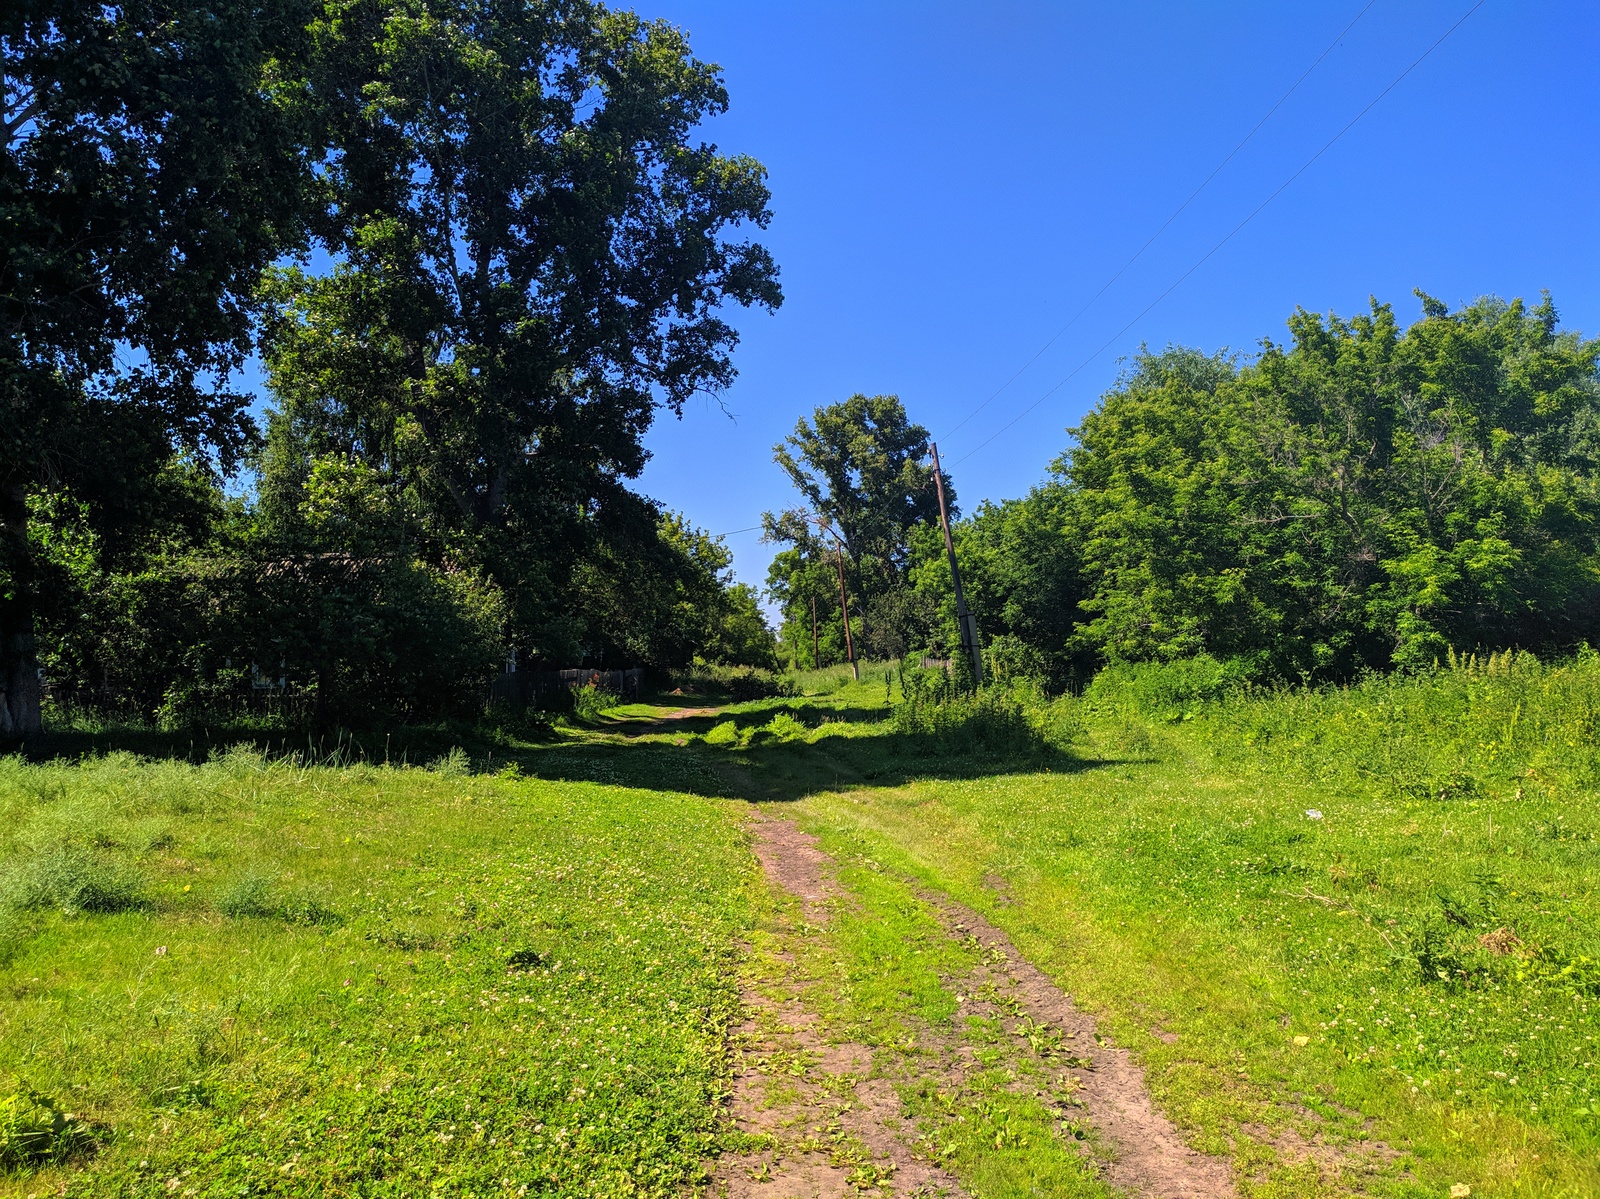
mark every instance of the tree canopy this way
{"type": "Point", "coordinates": [860, 466]}
{"type": "Point", "coordinates": [153, 165]}
{"type": "Point", "coordinates": [481, 245]}
{"type": "Point", "coordinates": [1361, 497]}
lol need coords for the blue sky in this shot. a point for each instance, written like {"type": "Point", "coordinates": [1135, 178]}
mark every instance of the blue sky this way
{"type": "Point", "coordinates": [952, 183]}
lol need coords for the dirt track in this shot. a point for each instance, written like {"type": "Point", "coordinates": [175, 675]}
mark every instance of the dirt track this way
{"type": "Point", "coordinates": [830, 1127]}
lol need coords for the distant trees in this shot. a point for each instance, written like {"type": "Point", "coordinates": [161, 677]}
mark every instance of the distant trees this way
{"type": "Point", "coordinates": [861, 467]}
{"type": "Point", "coordinates": [1364, 497]}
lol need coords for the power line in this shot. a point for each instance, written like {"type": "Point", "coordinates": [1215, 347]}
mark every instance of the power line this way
{"type": "Point", "coordinates": [1231, 233]}
{"type": "Point", "coordinates": [731, 532]}
{"type": "Point", "coordinates": [1176, 213]}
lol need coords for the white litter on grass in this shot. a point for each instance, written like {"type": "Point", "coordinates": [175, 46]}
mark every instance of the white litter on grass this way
{"type": "Point", "coordinates": [1313, 814]}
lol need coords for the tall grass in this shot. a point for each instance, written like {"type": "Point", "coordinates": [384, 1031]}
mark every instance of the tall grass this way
{"type": "Point", "coordinates": [1504, 722]}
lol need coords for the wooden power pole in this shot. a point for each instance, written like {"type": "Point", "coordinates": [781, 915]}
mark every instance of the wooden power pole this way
{"type": "Point", "coordinates": [965, 624]}
{"type": "Point", "coordinates": [844, 614]}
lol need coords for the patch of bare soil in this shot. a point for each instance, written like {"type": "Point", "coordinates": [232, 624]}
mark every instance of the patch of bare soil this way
{"type": "Point", "coordinates": [825, 1123]}
{"type": "Point", "coordinates": [820, 1124]}
{"type": "Point", "coordinates": [1151, 1157]}
{"type": "Point", "coordinates": [819, 1121]}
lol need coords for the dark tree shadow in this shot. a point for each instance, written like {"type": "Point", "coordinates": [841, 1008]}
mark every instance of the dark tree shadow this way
{"type": "Point", "coordinates": [765, 769]}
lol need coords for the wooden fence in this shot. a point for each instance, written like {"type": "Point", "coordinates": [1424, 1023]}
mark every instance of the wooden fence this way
{"type": "Point", "coordinates": [533, 688]}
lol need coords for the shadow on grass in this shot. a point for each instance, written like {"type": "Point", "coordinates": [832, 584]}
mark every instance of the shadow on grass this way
{"type": "Point", "coordinates": [763, 771]}
{"type": "Point", "coordinates": [812, 715]}
{"type": "Point", "coordinates": [781, 771]}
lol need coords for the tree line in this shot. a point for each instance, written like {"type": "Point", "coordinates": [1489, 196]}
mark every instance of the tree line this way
{"type": "Point", "coordinates": [477, 248]}
{"type": "Point", "coordinates": [1362, 497]}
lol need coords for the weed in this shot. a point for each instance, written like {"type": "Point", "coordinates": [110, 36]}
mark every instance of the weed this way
{"type": "Point", "coordinates": [34, 1131]}
{"type": "Point", "coordinates": [453, 764]}
{"type": "Point", "coordinates": [257, 896]}
{"type": "Point", "coordinates": [590, 702]}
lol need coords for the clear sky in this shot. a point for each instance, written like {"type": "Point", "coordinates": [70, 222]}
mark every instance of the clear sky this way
{"type": "Point", "coordinates": [951, 183]}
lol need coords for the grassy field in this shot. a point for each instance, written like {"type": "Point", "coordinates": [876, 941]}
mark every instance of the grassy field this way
{"type": "Point", "coordinates": [253, 978]}
{"type": "Point", "coordinates": [1324, 921]}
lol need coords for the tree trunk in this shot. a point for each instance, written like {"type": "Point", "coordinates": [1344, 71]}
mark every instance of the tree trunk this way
{"type": "Point", "coordinates": [19, 651]}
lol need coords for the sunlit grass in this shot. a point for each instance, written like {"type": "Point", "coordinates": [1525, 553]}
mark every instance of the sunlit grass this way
{"type": "Point", "coordinates": [371, 981]}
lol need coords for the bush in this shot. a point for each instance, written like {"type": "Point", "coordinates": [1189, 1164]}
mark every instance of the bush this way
{"type": "Point", "coordinates": [1165, 690]}
{"type": "Point", "coordinates": [590, 702]}
{"type": "Point", "coordinates": [992, 718]}
{"type": "Point", "coordinates": [72, 880]}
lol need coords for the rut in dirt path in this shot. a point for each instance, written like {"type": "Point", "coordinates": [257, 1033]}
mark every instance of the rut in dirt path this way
{"type": "Point", "coordinates": [1151, 1158]}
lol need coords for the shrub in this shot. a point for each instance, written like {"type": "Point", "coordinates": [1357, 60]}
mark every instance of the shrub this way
{"type": "Point", "coordinates": [991, 718]}
{"type": "Point", "coordinates": [590, 702]}
{"type": "Point", "coordinates": [1165, 690]}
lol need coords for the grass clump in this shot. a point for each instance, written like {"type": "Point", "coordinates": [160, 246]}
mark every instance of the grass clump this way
{"type": "Point", "coordinates": [72, 880]}
{"type": "Point", "coordinates": [257, 896]}
{"type": "Point", "coordinates": [785, 727]}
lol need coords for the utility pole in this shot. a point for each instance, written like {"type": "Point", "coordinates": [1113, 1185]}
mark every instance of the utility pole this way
{"type": "Point", "coordinates": [844, 614]}
{"type": "Point", "coordinates": [966, 625]}
{"type": "Point", "coordinates": [816, 653]}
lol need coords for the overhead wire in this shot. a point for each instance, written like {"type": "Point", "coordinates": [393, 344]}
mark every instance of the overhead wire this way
{"type": "Point", "coordinates": [1328, 145]}
{"type": "Point", "coordinates": [1176, 213]}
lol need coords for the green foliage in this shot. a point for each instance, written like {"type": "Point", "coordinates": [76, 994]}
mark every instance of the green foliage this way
{"type": "Point", "coordinates": [498, 332]}
{"type": "Point", "coordinates": [860, 466]}
{"type": "Point", "coordinates": [590, 702]}
{"type": "Point", "coordinates": [1364, 497]}
{"type": "Point", "coordinates": [34, 1131]}
{"type": "Point", "coordinates": [179, 129]}
{"type": "Point", "coordinates": [1021, 576]}
{"type": "Point", "coordinates": [991, 719]}
{"type": "Point", "coordinates": [1164, 690]}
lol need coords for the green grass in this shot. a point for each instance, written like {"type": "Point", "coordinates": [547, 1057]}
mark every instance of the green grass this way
{"type": "Point", "coordinates": [1184, 887]}
{"type": "Point", "coordinates": [883, 973]}
{"type": "Point", "coordinates": [252, 976]}
{"type": "Point", "coordinates": [370, 981]}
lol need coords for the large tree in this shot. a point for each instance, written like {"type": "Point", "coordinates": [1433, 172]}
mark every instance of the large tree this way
{"type": "Point", "coordinates": [151, 167]}
{"type": "Point", "coordinates": [861, 466]}
{"type": "Point", "coordinates": [531, 250]}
